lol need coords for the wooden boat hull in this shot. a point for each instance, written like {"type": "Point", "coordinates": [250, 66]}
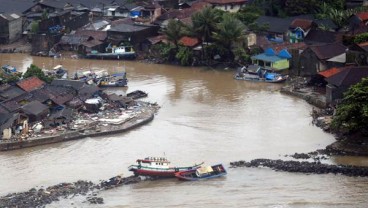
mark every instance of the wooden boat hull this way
{"type": "Point", "coordinates": [192, 175]}
{"type": "Point", "coordinates": [129, 56]}
{"type": "Point", "coordinates": [159, 173]}
{"type": "Point", "coordinates": [257, 79]}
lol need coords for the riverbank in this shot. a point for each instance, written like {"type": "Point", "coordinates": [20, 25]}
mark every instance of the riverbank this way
{"type": "Point", "coordinates": [140, 116]}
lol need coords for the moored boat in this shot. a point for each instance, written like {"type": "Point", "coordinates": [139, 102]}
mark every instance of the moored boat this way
{"type": "Point", "coordinates": [158, 167]}
{"type": "Point", "coordinates": [257, 74]}
{"type": "Point", "coordinates": [205, 172]}
{"type": "Point", "coordinates": [121, 52]}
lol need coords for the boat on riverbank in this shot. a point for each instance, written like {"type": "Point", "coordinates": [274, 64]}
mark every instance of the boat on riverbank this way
{"type": "Point", "coordinates": [158, 167]}
{"type": "Point", "coordinates": [121, 52]}
{"type": "Point", "coordinates": [137, 94]}
{"type": "Point", "coordinates": [205, 172]}
{"type": "Point", "coordinates": [257, 74]}
{"type": "Point", "coordinates": [114, 80]}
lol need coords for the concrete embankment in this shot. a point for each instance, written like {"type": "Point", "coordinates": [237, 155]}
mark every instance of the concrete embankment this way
{"type": "Point", "coordinates": [137, 121]}
{"type": "Point", "coordinates": [311, 97]}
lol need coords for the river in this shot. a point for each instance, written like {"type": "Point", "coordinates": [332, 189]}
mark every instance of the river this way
{"type": "Point", "coordinates": [205, 115]}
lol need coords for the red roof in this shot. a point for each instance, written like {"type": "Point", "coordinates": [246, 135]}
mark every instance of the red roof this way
{"type": "Point", "coordinates": [302, 23]}
{"type": "Point", "coordinates": [188, 41]}
{"type": "Point", "coordinates": [363, 16]}
{"type": "Point", "coordinates": [330, 72]}
{"type": "Point", "coordinates": [30, 84]}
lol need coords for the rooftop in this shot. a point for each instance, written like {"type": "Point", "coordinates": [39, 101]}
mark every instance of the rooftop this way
{"type": "Point", "coordinates": [30, 83]}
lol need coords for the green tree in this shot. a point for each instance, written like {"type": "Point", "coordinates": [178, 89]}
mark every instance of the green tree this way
{"type": "Point", "coordinates": [35, 27]}
{"type": "Point", "coordinates": [174, 31]}
{"type": "Point", "coordinates": [298, 7]}
{"type": "Point", "coordinates": [184, 55]}
{"type": "Point", "coordinates": [34, 70]}
{"type": "Point", "coordinates": [248, 14]}
{"type": "Point", "coordinates": [229, 31]}
{"type": "Point", "coordinates": [204, 23]}
{"type": "Point", "coordinates": [361, 38]}
{"type": "Point", "coordinates": [352, 113]}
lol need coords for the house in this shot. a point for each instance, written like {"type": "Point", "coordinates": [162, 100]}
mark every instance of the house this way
{"type": "Point", "coordinates": [31, 83]}
{"type": "Point", "coordinates": [8, 92]}
{"type": "Point", "coordinates": [14, 104]}
{"type": "Point", "coordinates": [298, 30]}
{"type": "Point", "coordinates": [11, 27]}
{"type": "Point", "coordinates": [317, 36]}
{"type": "Point", "coordinates": [133, 33]}
{"type": "Point", "coordinates": [318, 58]}
{"type": "Point", "coordinates": [116, 11]}
{"type": "Point", "coordinates": [228, 5]}
{"type": "Point", "coordinates": [73, 42]}
{"type": "Point", "coordinates": [340, 82]}
{"type": "Point", "coordinates": [12, 124]}
{"type": "Point", "coordinates": [35, 110]}
{"type": "Point", "coordinates": [276, 28]}
{"type": "Point", "coordinates": [50, 6]}
{"type": "Point", "coordinates": [358, 54]}
{"type": "Point", "coordinates": [269, 59]}
{"type": "Point", "coordinates": [88, 91]}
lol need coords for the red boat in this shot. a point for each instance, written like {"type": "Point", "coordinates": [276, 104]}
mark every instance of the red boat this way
{"type": "Point", "coordinates": [157, 167]}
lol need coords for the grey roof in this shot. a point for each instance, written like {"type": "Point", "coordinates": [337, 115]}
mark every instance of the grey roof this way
{"type": "Point", "coordinates": [320, 36]}
{"type": "Point", "coordinates": [10, 16]}
{"type": "Point", "coordinates": [17, 6]}
{"type": "Point", "coordinates": [327, 23]}
{"type": "Point", "coordinates": [349, 76]}
{"type": "Point", "coordinates": [128, 28]}
{"type": "Point", "coordinates": [34, 108]}
{"type": "Point", "coordinates": [9, 91]}
{"type": "Point", "coordinates": [75, 84]}
{"type": "Point", "coordinates": [275, 24]}
{"type": "Point", "coordinates": [73, 39]}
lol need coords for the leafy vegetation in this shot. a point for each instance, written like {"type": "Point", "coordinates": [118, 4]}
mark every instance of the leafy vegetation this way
{"type": "Point", "coordinates": [174, 31]}
{"type": "Point", "coordinates": [352, 113]}
{"type": "Point", "coordinates": [184, 55]}
{"type": "Point", "coordinates": [361, 38]}
{"type": "Point", "coordinates": [34, 70]}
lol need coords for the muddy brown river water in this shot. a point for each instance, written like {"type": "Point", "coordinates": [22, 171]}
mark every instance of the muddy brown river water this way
{"type": "Point", "coordinates": [205, 116]}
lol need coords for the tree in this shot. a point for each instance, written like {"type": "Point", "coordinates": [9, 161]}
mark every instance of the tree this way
{"type": "Point", "coordinates": [184, 55]}
{"type": "Point", "coordinates": [298, 7]}
{"type": "Point", "coordinates": [229, 31]}
{"type": "Point", "coordinates": [34, 70]}
{"type": "Point", "coordinates": [352, 113]}
{"type": "Point", "coordinates": [204, 23]}
{"type": "Point", "coordinates": [174, 31]}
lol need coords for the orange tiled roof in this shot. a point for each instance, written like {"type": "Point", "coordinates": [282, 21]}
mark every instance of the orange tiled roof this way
{"type": "Point", "coordinates": [302, 23]}
{"type": "Point", "coordinates": [188, 41]}
{"type": "Point", "coordinates": [363, 16]}
{"type": "Point", "coordinates": [330, 72]}
{"type": "Point", "coordinates": [30, 84]}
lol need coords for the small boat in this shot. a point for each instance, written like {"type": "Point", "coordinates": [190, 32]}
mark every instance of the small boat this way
{"type": "Point", "coordinates": [205, 172]}
{"type": "Point", "coordinates": [258, 74]}
{"type": "Point", "coordinates": [157, 167]}
{"type": "Point", "coordinates": [9, 70]}
{"type": "Point", "coordinates": [120, 52]}
{"type": "Point", "coordinates": [58, 71]}
{"type": "Point", "coordinates": [137, 94]}
{"type": "Point", "coordinates": [114, 80]}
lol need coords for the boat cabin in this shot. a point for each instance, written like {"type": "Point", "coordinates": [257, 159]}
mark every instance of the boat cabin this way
{"type": "Point", "coordinates": [153, 162]}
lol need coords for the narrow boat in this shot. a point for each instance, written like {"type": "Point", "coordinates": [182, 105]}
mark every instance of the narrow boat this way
{"type": "Point", "coordinates": [258, 74]}
{"type": "Point", "coordinates": [120, 52]}
{"type": "Point", "coordinates": [205, 172]}
{"type": "Point", "coordinates": [158, 167]}
{"type": "Point", "coordinates": [9, 70]}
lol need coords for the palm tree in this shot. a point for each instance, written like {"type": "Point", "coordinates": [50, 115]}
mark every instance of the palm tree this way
{"type": "Point", "coordinates": [204, 22]}
{"type": "Point", "coordinates": [229, 31]}
{"type": "Point", "coordinates": [174, 31]}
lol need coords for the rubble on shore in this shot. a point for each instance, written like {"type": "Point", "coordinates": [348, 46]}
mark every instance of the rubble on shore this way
{"type": "Point", "coordinates": [43, 196]}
